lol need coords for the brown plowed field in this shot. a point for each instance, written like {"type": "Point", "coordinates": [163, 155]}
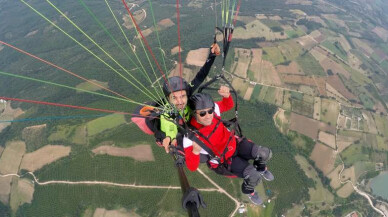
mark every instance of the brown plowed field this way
{"type": "Point", "coordinates": [328, 139]}
{"type": "Point", "coordinates": [324, 158]}
{"type": "Point", "coordinates": [264, 71]}
{"type": "Point", "coordinates": [140, 152]}
{"type": "Point", "coordinates": [344, 141]}
{"type": "Point", "coordinates": [35, 160]}
{"type": "Point", "coordinates": [304, 125]}
{"type": "Point", "coordinates": [381, 32]}
{"type": "Point", "coordinates": [197, 57]}
{"type": "Point", "coordinates": [335, 67]}
{"type": "Point", "coordinates": [336, 82]}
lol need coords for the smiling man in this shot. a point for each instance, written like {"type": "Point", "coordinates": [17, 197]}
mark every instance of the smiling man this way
{"type": "Point", "coordinates": [222, 148]}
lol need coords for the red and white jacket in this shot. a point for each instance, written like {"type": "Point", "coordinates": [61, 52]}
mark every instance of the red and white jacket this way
{"type": "Point", "coordinates": [218, 139]}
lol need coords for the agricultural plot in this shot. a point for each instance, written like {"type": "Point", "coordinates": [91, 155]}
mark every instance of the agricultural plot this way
{"type": "Point", "coordinates": [99, 125]}
{"type": "Point", "coordinates": [291, 68]}
{"type": "Point", "coordinates": [270, 96]}
{"type": "Point", "coordinates": [295, 33]}
{"type": "Point", "coordinates": [327, 138]}
{"type": "Point", "coordinates": [302, 107]}
{"type": "Point", "coordinates": [22, 192]}
{"type": "Point", "coordinates": [329, 111]}
{"type": "Point", "coordinates": [257, 29]}
{"type": "Point", "coordinates": [328, 64]}
{"type": "Point", "coordinates": [360, 168]}
{"type": "Point", "coordinates": [9, 164]}
{"type": "Point", "coordinates": [381, 124]}
{"type": "Point", "coordinates": [370, 125]}
{"type": "Point", "coordinates": [11, 157]}
{"type": "Point", "coordinates": [140, 153]}
{"type": "Point", "coordinates": [354, 154]}
{"type": "Point", "coordinates": [345, 141]}
{"type": "Point", "coordinates": [304, 125]}
{"type": "Point", "coordinates": [274, 55]}
{"type": "Point", "coordinates": [249, 93]}
{"type": "Point", "coordinates": [336, 48]}
{"type": "Point", "coordinates": [346, 190]}
{"type": "Point", "coordinates": [332, 92]}
{"type": "Point", "coordinates": [48, 154]}
{"type": "Point", "coordinates": [308, 90]}
{"type": "Point", "coordinates": [324, 158]}
{"type": "Point", "coordinates": [317, 108]}
{"type": "Point", "coordinates": [349, 174]}
{"type": "Point", "coordinates": [335, 183]}
{"type": "Point", "coordinates": [197, 57]}
{"type": "Point", "coordinates": [307, 42]}
{"type": "Point", "coordinates": [337, 84]}
{"type": "Point", "coordinates": [286, 100]}
{"type": "Point", "coordinates": [5, 189]}
{"type": "Point", "coordinates": [240, 85]}
{"type": "Point", "coordinates": [89, 86]}
{"type": "Point", "coordinates": [256, 93]}
{"type": "Point", "coordinates": [244, 59]}
{"type": "Point", "coordinates": [9, 114]}
{"type": "Point", "coordinates": [263, 71]}
{"type": "Point", "coordinates": [363, 46]}
{"type": "Point", "coordinates": [319, 193]}
{"type": "Point", "coordinates": [382, 143]}
{"type": "Point", "coordinates": [381, 32]}
{"type": "Point", "coordinates": [101, 212]}
{"type": "Point", "coordinates": [309, 65]}
{"type": "Point", "coordinates": [290, 50]}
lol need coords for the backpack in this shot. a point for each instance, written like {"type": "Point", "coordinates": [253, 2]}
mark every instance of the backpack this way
{"type": "Point", "coordinates": [144, 118]}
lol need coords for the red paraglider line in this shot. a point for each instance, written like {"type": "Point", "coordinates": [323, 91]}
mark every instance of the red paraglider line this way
{"type": "Point", "coordinates": [62, 69]}
{"type": "Point", "coordinates": [179, 41]}
{"type": "Point", "coordinates": [235, 19]}
{"type": "Point", "coordinates": [63, 105]}
{"type": "Point", "coordinates": [145, 41]}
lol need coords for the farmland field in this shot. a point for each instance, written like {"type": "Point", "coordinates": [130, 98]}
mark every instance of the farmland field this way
{"type": "Point", "coordinates": [108, 122]}
{"type": "Point", "coordinates": [309, 65]}
{"type": "Point", "coordinates": [329, 111]}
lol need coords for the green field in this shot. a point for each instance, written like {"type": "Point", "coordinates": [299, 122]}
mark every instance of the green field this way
{"type": "Point", "coordinates": [91, 86]}
{"type": "Point", "coordinates": [292, 33]}
{"type": "Point", "coordinates": [381, 124]}
{"type": "Point", "coordinates": [310, 65]}
{"type": "Point", "coordinates": [336, 48]}
{"type": "Point", "coordinates": [353, 154]}
{"type": "Point", "coordinates": [290, 50]}
{"type": "Point", "coordinates": [101, 124]}
{"type": "Point", "coordinates": [270, 96]}
{"type": "Point", "coordinates": [302, 107]}
{"type": "Point", "coordinates": [329, 111]}
{"type": "Point", "coordinates": [273, 54]}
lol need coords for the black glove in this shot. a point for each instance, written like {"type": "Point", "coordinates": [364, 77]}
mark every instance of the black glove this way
{"type": "Point", "coordinates": [260, 166]}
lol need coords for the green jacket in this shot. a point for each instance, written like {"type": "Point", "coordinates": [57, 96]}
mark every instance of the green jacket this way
{"type": "Point", "coordinates": [168, 126]}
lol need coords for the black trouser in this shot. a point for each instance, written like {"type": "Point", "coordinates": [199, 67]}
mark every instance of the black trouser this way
{"type": "Point", "coordinates": [247, 150]}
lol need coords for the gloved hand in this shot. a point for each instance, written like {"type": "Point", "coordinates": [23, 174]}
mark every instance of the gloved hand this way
{"type": "Point", "coordinates": [260, 165]}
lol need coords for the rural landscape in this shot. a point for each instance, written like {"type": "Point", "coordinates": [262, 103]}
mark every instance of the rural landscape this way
{"type": "Point", "coordinates": [312, 84]}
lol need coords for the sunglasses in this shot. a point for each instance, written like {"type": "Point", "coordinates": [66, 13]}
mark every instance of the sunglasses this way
{"type": "Point", "coordinates": [203, 113]}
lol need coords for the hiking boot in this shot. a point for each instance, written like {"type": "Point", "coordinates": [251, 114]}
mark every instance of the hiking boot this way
{"type": "Point", "coordinates": [255, 199]}
{"type": "Point", "coordinates": [267, 175]}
